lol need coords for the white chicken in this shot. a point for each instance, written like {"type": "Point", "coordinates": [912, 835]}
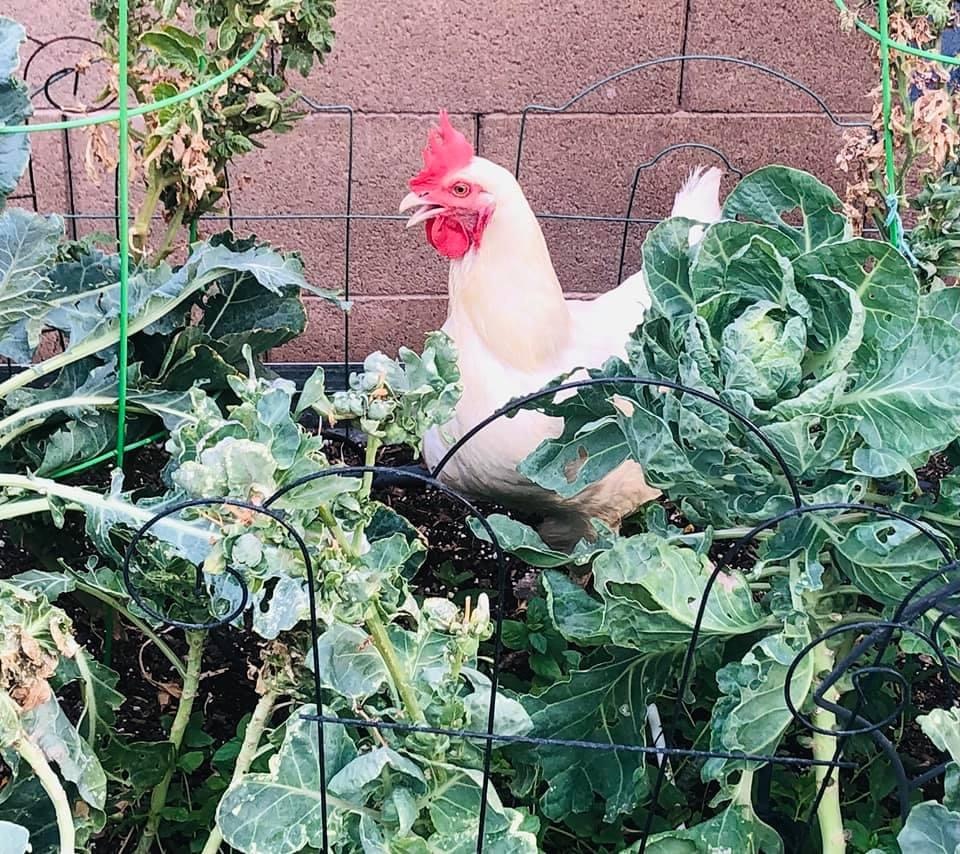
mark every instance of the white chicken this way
{"type": "Point", "coordinates": [515, 331]}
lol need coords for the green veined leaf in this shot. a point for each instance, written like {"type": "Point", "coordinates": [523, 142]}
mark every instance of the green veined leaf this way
{"type": "Point", "coordinates": [751, 715]}
{"type": "Point", "coordinates": [279, 812]}
{"type": "Point", "coordinates": [773, 191]}
{"type": "Point", "coordinates": [51, 730]}
{"type": "Point", "coordinates": [881, 277]}
{"type": "Point", "coordinates": [931, 828]}
{"type": "Point", "coordinates": [666, 267]}
{"type": "Point", "coordinates": [27, 245]}
{"type": "Point", "coordinates": [906, 396]}
{"type": "Point", "coordinates": [605, 703]}
{"type": "Point", "coordinates": [14, 838]}
{"type": "Point", "coordinates": [347, 662]}
{"type": "Point", "coordinates": [942, 727]}
{"type": "Point", "coordinates": [885, 558]}
{"type": "Point", "coordinates": [15, 109]}
{"type": "Point", "coordinates": [736, 830]}
{"type": "Point", "coordinates": [835, 329]}
{"type": "Point", "coordinates": [944, 304]}
{"type": "Point", "coordinates": [742, 260]}
{"type": "Point", "coordinates": [650, 592]}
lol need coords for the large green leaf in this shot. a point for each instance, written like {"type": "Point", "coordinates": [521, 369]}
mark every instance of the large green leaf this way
{"type": "Point", "coordinates": [811, 445]}
{"type": "Point", "coordinates": [75, 404]}
{"type": "Point", "coordinates": [280, 812]}
{"type": "Point", "coordinates": [666, 267]}
{"type": "Point", "coordinates": [835, 329]}
{"type": "Point", "coordinates": [931, 828]}
{"type": "Point", "coordinates": [742, 261]}
{"type": "Point", "coordinates": [605, 704]}
{"type": "Point", "coordinates": [886, 558]}
{"type": "Point", "coordinates": [245, 314]}
{"type": "Point", "coordinates": [650, 594]}
{"type": "Point", "coordinates": [28, 243]}
{"type": "Point", "coordinates": [591, 444]}
{"type": "Point", "coordinates": [751, 715]}
{"type": "Point", "coordinates": [360, 775]}
{"type": "Point", "coordinates": [348, 662]}
{"type": "Point", "coordinates": [25, 803]}
{"type": "Point", "coordinates": [454, 811]}
{"type": "Point", "coordinates": [906, 396]}
{"type": "Point", "coordinates": [51, 730]}
{"type": "Point", "coordinates": [770, 193]}
{"type": "Point", "coordinates": [81, 297]}
{"type": "Point", "coordinates": [14, 109]}
{"type": "Point", "coordinates": [942, 727]}
{"type": "Point", "coordinates": [881, 277]}
{"type": "Point", "coordinates": [525, 543]}
{"type": "Point", "coordinates": [14, 838]}
{"type": "Point", "coordinates": [736, 829]}
{"type": "Point", "coordinates": [944, 304]}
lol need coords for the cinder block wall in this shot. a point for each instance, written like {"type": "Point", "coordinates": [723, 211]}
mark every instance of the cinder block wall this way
{"type": "Point", "coordinates": [396, 64]}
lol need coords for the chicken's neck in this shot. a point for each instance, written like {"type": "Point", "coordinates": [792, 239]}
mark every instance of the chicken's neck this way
{"type": "Point", "coordinates": [506, 293]}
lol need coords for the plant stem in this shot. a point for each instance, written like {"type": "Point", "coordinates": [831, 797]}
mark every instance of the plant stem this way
{"type": "Point", "coordinates": [369, 459]}
{"type": "Point", "coordinates": [829, 815]}
{"type": "Point", "coordinates": [176, 222]}
{"type": "Point", "coordinates": [330, 521]}
{"type": "Point", "coordinates": [248, 750]}
{"type": "Point", "coordinates": [191, 684]}
{"type": "Point", "coordinates": [381, 640]}
{"type": "Point", "coordinates": [140, 231]}
{"type": "Point", "coordinates": [157, 641]}
{"type": "Point", "coordinates": [89, 697]}
{"type": "Point", "coordinates": [15, 509]}
{"type": "Point", "coordinates": [34, 757]}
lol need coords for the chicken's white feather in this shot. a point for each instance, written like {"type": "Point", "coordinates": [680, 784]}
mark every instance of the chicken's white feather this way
{"type": "Point", "coordinates": [515, 332]}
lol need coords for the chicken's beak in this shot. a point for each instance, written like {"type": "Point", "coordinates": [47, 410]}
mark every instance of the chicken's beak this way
{"type": "Point", "coordinates": [425, 209]}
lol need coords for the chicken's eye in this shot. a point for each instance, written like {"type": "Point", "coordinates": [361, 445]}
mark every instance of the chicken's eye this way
{"type": "Point", "coordinates": [460, 189]}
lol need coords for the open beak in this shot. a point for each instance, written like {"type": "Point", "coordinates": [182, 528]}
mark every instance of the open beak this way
{"type": "Point", "coordinates": [424, 209]}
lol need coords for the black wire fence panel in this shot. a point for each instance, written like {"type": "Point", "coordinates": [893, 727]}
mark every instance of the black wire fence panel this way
{"type": "Point", "coordinates": [864, 664]}
{"type": "Point", "coordinates": [867, 662]}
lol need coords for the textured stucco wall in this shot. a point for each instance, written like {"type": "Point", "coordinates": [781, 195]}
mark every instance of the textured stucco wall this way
{"type": "Point", "coordinates": [397, 63]}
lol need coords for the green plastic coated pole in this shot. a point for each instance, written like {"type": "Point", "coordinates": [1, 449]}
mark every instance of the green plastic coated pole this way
{"type": "Point", "coordinates": [123, 212]}
{"type": "Point", "coordinates": [895, 235]}
{"type": "Point", "coordinates": [901, 46]}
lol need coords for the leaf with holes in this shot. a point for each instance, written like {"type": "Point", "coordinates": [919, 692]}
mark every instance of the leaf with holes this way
{"type": "Point", "coordinates": [881, 277]}
{"type": "Point", "coordinates": [770, 193]}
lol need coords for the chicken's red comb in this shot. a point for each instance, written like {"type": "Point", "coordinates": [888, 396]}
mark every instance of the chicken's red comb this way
{"type": "Point", "coordinates": [447, 150]}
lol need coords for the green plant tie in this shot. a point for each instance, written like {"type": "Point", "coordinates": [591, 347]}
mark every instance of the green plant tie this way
{"type": "Point", "coordinates": [895, 225]}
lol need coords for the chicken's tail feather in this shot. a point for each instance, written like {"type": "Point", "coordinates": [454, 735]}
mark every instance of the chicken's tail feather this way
{"type": "Point", "coordinates": [699, 197]}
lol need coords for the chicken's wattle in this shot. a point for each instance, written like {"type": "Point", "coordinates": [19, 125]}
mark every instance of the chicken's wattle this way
{"type": "Point", "coordinates": [448, 236]}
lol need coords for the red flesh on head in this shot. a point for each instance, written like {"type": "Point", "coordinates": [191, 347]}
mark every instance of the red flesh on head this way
{"type": "Point", "coordinates": [453, 232]}
{"type": "Point", "coordinates": [448, 236]}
